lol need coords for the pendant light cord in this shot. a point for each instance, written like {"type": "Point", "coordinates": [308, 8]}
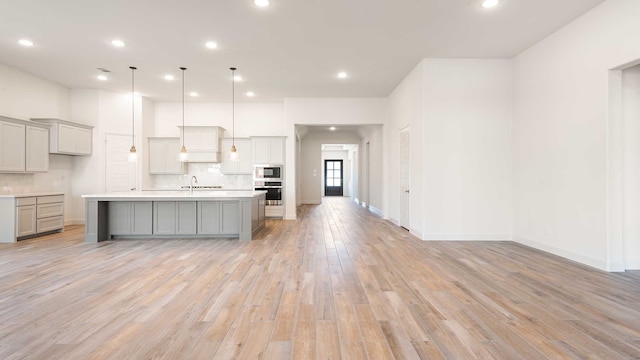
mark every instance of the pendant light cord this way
{"type": "Point", "coordinates": [133, 111]}
{"type": "Point", "coordinates": [233, 106]}
{"type": "Point", "coordinates": [183, 69]}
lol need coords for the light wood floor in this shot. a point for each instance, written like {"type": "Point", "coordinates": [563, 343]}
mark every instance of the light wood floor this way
{"type": "Point", "coordinates": [337, 283]}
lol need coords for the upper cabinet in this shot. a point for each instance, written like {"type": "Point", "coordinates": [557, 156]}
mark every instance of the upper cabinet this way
{"type": "Point", "coordinates": [68, 138]}
{"type": "Point", "coordinates": [267, 150]}
{"type": "Point", "coordinates": [243, 165]}
{"type": "Point", "coordinates": [24, 146]}
{"type": "Point", "coordinates": [202, 143]}
{"type": "Point", "coordinates": [163, 156]}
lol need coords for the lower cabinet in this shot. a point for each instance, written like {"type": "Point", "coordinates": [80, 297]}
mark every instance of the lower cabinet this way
{"type": "Point", "coordinates": [218, 217]}
{"type": "Point", "coordinates": [39, 214]}
{"type": "Point", "coordinates": [131, 218]}
{"type": "Point", "coordinates": [174, 217]}
{"type": "Point", "coordinates": [26, 220]}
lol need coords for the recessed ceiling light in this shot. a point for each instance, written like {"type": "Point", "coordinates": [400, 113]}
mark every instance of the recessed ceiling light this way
{"type": "Point", "coordinates": [490, 3]}
{"type": "Point", "coordinates": [250, 94]}
{"type": "Point", "coordinates": [261, 3]}
{"type": "Point", "coordinates": [342, 75]}
{"type": "Point", "coordinates": [211, 45]}
{"type": "Point", "coordinates": [102, 77]}
{"type": "Point", "coordinates": [169, 77]}
{"type": "Point", "coordinates": [333, 128]}
{"type": "Point", "coordinates": [25, 42]}
{"type": "Point", "coordinates": [117, 43]}
{"type": "Point", "coordinates": [237, 78]}
{"type": "Point", "coordinates": [193, 94]}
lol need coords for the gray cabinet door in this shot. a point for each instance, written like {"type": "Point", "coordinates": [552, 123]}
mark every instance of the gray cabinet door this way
{"type": "Point", "coordinates": [209, 217]}
{"type": "Point", "coordinates": [12, 147]}
{"type": "Point", "coordinates": [186, 217]}
{"type": "Point", "coordinates": [164, 217]}
{"type": "Point", "coordinates": [142, 218]}
{"type": "Point", "coordinates": [26, 220]}
{"type": "Point", "coordinates": [229, 217]}
{"type": "Point", "coordinates": [119, 217]}
{"type": "Point", "coordinates": [37, 149]}
{"type": "Point", "coordinates": [130, 217]}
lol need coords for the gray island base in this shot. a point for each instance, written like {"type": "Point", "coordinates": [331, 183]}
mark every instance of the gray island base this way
{"type": "Point", "coordinates": [169, 215]}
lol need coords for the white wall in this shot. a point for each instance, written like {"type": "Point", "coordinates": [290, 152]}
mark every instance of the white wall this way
{"type": "Point", "coordinates": [562, 172]}
{"type": "Point", "coordinates": [406, 108]}
{"type": "Point", "coordinates": [467, 141]}
{"type": "Point", "coordinates": [251, 119]}
{"type": "Point", "coordinates": [347, 111]}
{"type": "Point", "coordinates": [631, 163]}
{"type": "Point", "coordinates": [24, 96]}
{"type": "Point", "coordinates": [109, 113]}
{"type": "Point", "coordinates": [312, 165]}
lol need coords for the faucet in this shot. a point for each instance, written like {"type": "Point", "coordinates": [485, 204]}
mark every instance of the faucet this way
{"type": "Point", "coordinates": [193, 178]}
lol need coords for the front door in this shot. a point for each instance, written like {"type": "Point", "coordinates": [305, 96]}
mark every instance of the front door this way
{"type": "Point", "coordinates": [333, 181]}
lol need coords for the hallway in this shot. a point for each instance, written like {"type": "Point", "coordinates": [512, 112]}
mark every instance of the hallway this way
{"type": "Point", "coordinates": [337, 283]}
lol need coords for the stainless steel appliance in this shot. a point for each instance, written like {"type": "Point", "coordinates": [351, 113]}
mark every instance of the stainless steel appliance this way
{"type": "Point", "coordinates": [273, 189]}
{"type": "Point", "coordinates": [269, 178]}
{"type": "Point", "coordinates": [268, 172]}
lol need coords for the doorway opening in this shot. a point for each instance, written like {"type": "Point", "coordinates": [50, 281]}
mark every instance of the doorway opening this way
{"type": "Point", "coordinates": [333, 178]}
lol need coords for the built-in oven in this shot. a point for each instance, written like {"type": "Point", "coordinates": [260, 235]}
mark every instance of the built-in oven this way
{"type": "Point", "coordinates": [268, 173]}
{"type": "Point", "coordinates": [273, 189]}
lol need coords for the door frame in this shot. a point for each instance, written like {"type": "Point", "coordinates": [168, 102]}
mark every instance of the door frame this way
{"type": "Point", "coordinates": [341, 161]}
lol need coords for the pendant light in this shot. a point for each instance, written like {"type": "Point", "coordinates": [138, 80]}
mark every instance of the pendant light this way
{"type": "Point", "coordinates": [233, 154]}
{"type": "Point", "coordinates": [183, 156]}
{"type": "Point", "coordinates": [133, 155]}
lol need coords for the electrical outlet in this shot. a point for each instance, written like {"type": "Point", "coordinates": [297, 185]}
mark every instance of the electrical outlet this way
{"type": "Point", "coordinates": [548, 230]}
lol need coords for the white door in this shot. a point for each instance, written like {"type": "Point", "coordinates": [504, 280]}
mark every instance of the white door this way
{"type": "Point", "coordinates": [120, 173]}
{"type": "Point", "coordinates": [405, 173]}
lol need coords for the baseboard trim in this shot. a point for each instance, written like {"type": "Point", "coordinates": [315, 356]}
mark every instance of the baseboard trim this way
{"type": "Point", "coordinates": [632, 265]}
{"type": "Point", "coordinates": [582, 259]}
{"type": "Point", "coordinates": [74, 222]}
{"type": "Point", "coordinates": [375, 210]}
{"type": "Point", "coordinates": [467, 237]}
{"type": "Point", "coordinates": [290, 217]}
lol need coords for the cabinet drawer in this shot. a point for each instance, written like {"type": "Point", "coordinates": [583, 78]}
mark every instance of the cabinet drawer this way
{"type": "Point", "coordinates": [50, 199]}
{"type": "Point", "coordinates": [25, 201]}
{"type": "Point", "coordinates": [49, 210]}
{"type": "Point", "coordinates": [49, 224]}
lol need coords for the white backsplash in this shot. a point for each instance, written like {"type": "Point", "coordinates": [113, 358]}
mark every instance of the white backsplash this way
{"type": "Point", "coordinates": [207, 174]}
{"type": "Point", "coordinates": [58, 178]}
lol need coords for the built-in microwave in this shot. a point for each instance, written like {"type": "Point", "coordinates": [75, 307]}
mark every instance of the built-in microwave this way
{"type": "Point", "coordinates": [268, 172]}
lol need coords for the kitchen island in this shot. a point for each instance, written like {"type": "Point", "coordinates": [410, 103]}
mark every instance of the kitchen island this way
{"type": "Point", "coordinates": [178, 214]}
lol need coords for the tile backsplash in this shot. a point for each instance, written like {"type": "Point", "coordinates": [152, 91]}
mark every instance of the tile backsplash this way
{"type": "Point", "coordinates": [207, 174]}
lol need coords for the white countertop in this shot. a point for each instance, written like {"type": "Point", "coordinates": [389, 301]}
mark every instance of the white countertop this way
{"type": "Point", "coordinates": [45, 193]}
{"type": "Point", "coordinates": [175, 195]}
{"type": "Point", "coordinates": [199, 190]}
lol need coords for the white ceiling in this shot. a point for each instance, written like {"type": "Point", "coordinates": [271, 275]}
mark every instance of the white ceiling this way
{"type": "Point", "coordinates": [294, 48]}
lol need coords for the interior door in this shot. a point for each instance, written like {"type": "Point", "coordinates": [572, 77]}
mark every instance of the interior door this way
{"type": "Point", "coordinates": [333, 178]}
{"type": "Point", "coordinates": [120, 173]}
{"type": "Point", "coordinates": [405, 174]}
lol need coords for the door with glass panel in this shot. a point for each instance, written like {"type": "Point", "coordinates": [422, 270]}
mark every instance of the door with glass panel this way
{"type": "Point", "coordinates": [333, 180]}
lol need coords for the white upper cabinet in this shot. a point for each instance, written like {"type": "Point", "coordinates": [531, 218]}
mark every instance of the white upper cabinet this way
{"type": "Point", "coordinates": [24, 146]}
{"type": "Point", "coordinates": [202, 143]}
{"type": "Point", "coordinates": [244, 164]}
{"type": "Point", "coordinates": [267, 150]}
{"type": "Point", "coordinates": [36, 149]}
{"type": "Point", "coordinates": [12, 146]}
{"type": "Point", "coordinates": [163, 156]}
{"type": "Point", "coordinates": [68, 138]}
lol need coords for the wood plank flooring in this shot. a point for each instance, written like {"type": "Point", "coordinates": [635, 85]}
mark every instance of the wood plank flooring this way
{"type": "Point", "coordinates": [337, 283]}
